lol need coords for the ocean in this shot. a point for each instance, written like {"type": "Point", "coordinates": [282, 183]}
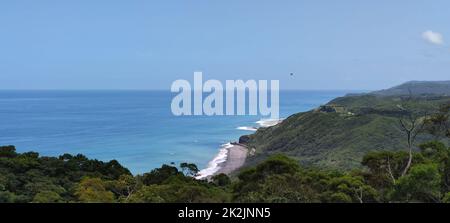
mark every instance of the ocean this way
{"type": "Point", "coordinates": [137, 128]}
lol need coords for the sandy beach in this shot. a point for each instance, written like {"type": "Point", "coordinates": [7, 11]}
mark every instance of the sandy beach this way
{"type": "Point", "coordinates": [230, 158]}
{"type": "Point", "coordinates": [235, 159]}
{"type": "Point", "coordinates": [232, 155]}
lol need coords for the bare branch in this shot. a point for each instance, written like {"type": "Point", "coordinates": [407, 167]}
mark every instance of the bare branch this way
{"type": "Point", "coordinates": [390, 170]}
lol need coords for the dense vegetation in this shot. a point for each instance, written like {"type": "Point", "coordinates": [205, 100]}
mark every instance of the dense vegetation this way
{"type": "Point", "coordinates": [394, 149]}
{"type": "Point", "coordinates": [29, 178]}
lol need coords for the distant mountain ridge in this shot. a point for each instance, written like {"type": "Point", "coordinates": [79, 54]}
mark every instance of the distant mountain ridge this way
{"type": "Point", "coordinates": [417, 88]}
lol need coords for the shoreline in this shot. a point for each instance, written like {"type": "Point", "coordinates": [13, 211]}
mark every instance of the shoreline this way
{"type": "Point", "coordinates": [232, 155]}
{"type": "Point", "coordinates": [236, 156]}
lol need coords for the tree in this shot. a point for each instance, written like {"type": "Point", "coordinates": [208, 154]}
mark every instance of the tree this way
{"type": "Point", "coordinates": [435, 151]}
{"type": "Point", "coordinates": [148, 194]}
{"type": "Point", "coordinates": [189, 169]}
{"type": "Point", "coordinates": [221, 180]}
{"type": "Point", "coordinates": [439, 154]}
{"type": "Point", "coordinates": [385, 167]}
{"type": "Point", "coordinates": [350, 189]}
{"type": "Point", "coordinates": [439, 124]}
{"type": "Point", "coordinates": [411, 124]}
{"type": "Point", "coordinates": [250, 186]}
{"type": "Point", "coordinates": [125, 186]}
{"type": "Point", "coordinates": [92, 190]}
{"type": "Point", "coordinates": [47, 197]}
{"type": "Point", "coordinates": [8, 151]}
{"type": "Point", "coordinates": [159, 175]}
{"type": "Point", "coordinates": [421, 184]}
{"type": "Point", "coordinates": [282, 188]}
{"type": "Point", "coordinates": [178, 190]}
{"type": "Point", "coordinates": [446, 198]}
{"type": "Point", "coordinates": [7, 197]}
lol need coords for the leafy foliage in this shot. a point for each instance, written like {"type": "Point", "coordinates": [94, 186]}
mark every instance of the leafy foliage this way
{"type": "Point", "coordinates": [421, 184]}
{"type": "Point", "coordinates": [27, 177]}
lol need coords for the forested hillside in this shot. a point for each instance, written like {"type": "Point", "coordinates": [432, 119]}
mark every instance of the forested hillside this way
{"type": "Point", "coordinates": [340, 133]}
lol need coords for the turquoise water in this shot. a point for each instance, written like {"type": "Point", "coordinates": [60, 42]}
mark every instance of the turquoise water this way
{"type": "Point", "coordinates": [136, 128]}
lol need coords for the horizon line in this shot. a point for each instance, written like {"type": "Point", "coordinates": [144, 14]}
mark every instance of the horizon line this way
{"type": "Point", "coordinates": [156, 89]}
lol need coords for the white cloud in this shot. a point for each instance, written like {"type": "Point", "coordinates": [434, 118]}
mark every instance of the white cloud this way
{"type": "Point", "coordinates": [433, 37]}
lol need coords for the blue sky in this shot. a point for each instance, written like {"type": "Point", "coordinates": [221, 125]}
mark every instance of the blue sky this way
{"type": "Point", "coordinates": [346, 44]}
